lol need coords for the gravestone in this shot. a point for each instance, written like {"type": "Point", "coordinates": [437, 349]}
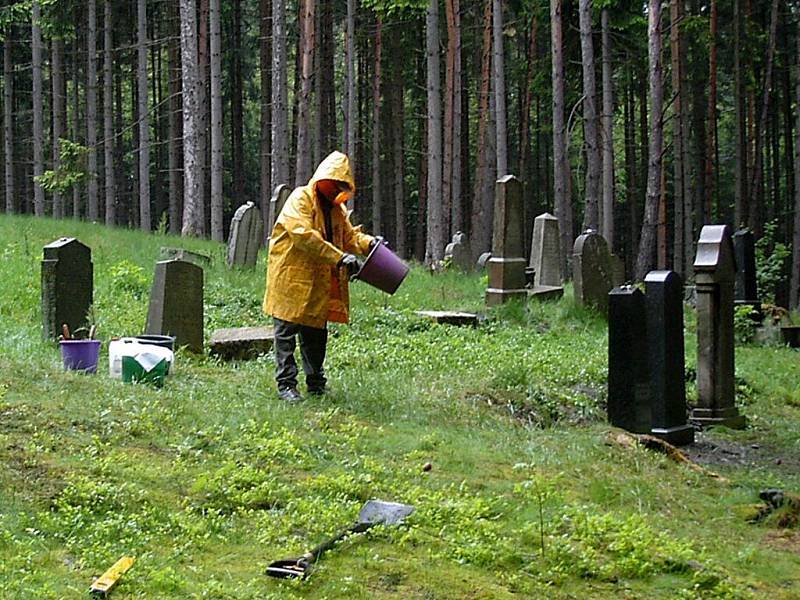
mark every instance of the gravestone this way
{"type": "Point", "coordinates": [546, 251]}
{"type": "Point", "coordinates": [247, 230]}
{"type": "Point", "coordinates": [201, 260]}
{"type": "Point", "coordinates": [507, 264]}
{"type": "Point", "coordinates": [746, 286]}
{"type": "Point", "coordinates": [443, 317]}
{"type": "Point", "coordinates": [714, 274]}
{"type": "Point", "coordinates": [483, 259]}
{"type": "Point", "coordinates": [617, 270]}
{"type": "Point", "coordinates": [458, 252]}
{"type": "Point", "coordinates": [276, 203]}
{"type": "Point", "coordinates": [628, 381]}
{"type": "Point", "coordinates": [176, 303]}
{"type": "Point", "coordinates": [665, 357]}
{"type": "Point", "coordinates": [591, 271]}
{"type": "Point", "coordinates": [67, 286]}
{"type": "Point", "coordinates": [241, 343]}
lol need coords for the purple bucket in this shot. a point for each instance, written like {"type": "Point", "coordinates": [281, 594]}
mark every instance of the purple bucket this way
{"type": "Point", "coordinates": [383, 269]}
{"type": "Point", "coordinates": [80, 355]}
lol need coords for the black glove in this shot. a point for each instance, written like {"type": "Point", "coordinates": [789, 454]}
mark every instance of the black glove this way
{"type": "Point", "coordinates": [351, 263]}
{"type": "Point", "coordinates": [378, 239]}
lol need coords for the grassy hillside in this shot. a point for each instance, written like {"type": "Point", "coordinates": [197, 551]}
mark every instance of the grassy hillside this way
{"type": "Point", "coordinates": [210, 478]}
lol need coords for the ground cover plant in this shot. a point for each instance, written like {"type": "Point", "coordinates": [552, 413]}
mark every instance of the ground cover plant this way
{"type": "Point", "coordinates": [210, 478]}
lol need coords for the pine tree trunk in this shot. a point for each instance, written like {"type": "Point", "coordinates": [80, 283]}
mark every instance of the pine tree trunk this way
{"type": "Point", "coordinates": [398, 113]}
{"type": "Point", "coordinates": [191, 188]}
{"type": "Point", "coordinates": [303, 169]}
{"type": "Point", "coordinates": [740, 141]}
{"type": "Point", "coordinates": [144, 118]}
{"type": "Point", "coordinates": [679, 246]}
{"type": "Point", "coordinates": [711, 119]}
{"type": "Point", "coordinates": [237, 109]}
{"type": "Point", "coordinates": [607, 223]}
{"type": "Point", "coordinates": [498, 64]}
{"type": "Point", "coordinates": [794, 294]}
{"type": "Point", "coordinates": [280, 114]}
{"type": "Point", "coordinates": [38, 134]}
{"type": "Point", "coordinates": [216, 122]}
{"type": "Point", "coordinates": [592, 191]}
{"type": "Point", "coordinates": [92, 207]}
{"type": "Point", "coordinates": [265, 164]}
{"type": "Point", "coordinates": [327, 100]}
{"type": "Point", "coordinates": [377, 216]}
{"type": "Point", "coordinates": [59, 102]}
{"type": "Point", "coordinates": [434, 247]}
{"type": "Point", "coordinates": [529, 176]}
{"type": "Point", "coordinates": [8, 120]}
{"type": "Point", "coordinates": [631, 192]}
{"type": "Point", "coordinates": [350, 94]}
{"type": "Point", "coordinates": [647, 241]}
{"type": "Point", "coordinates": [456, 215]}
{"type": "Point", "coordinates": [203, 116]}
{"type": "Point", "coordinates": [175, 124]}
{"type": "Point", "coordinates": [108, 117]}
{"type": "Point", "coordinates": [75, 122]}
{"type": "Point", "coordinates": [563, 207]}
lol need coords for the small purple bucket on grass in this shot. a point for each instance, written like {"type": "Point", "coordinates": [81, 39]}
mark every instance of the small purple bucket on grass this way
{"type": "Point", "coordinates": [80, 355]}
{"type": "Point", "coordinates": [383, 269]}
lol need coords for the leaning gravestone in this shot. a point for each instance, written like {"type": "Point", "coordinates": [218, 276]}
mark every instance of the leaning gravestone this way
{"type": "Point", "coordinates": [628, 382]}
{"type": "Point", "coordinates": [247, 229]}
{"type": "Point", "coordinates": [176, 303]}
{"type": "Point", "coordinates": [664, 302]}
{"type": "Point", "coordinates": [507, 264]}
{"type": "Point", "coordinates": [714, 274]}
{"type": "Point", "coordinates": [591, 266]}
{"type": "Point", "coordinates": [201, 260]}
{"type": "Point", "coordinates": [67, 286]}
{"type": "Point", "coordinates": [746, 287]}
{"type": "Point", "coordinates": [279, 197]}
{"type": "Point", "coordinates": [458, 252]}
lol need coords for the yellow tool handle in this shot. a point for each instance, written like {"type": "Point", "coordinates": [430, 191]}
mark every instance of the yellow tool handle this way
{"type": "Point", "coordinates": [109, 579]}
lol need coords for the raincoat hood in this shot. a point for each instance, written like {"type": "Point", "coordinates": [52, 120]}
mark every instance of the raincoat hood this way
{"type": "Point", "coordinates": [336, 166]}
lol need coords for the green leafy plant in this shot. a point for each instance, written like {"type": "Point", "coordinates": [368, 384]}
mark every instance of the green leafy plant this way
{"type": "Point", "coordinates": [770, 258]}
{"type": "Point", "coordinates": [129, 278]}
{"type": "Point", "coordinates": [743, 324]}
{"type": "Point", "coordinates": [70, 172]}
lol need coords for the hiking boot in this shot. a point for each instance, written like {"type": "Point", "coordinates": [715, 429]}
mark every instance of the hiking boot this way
{"type": "Point", "coordinates": [317, 391]}
{"type": "Point", "coordinates": [290, 395]}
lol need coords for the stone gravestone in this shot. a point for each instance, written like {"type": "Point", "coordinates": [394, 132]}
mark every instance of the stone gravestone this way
{"type": "Point", "coordinates": [665, 362]}
{"type": "Point", "coordinates": [67, 286]}
{"type": "Point", "coordinates": [458, 252]}
{"type": "Point", "coordinates": [176, 303]}
{"type": "Point", "coordinates": [546, 258]}
{"type": "Point", "coordinates": [201, 260]}
{"type": "Point", "coordinates": [247, 230]}
{"type": "Point", "coordinates": [628, 382]}
{"type": "Point", "coordinates": [241, 343]}
{"type": "Point", "coordinates": [591, 266]}
{"type": "Point", "coordinates": [507, 264]}
{"type": "Point", "coordinates": [276, 203]}
{"type": "Point", "coordinates": [714, 274]}
{"type": "Point", "coordinates": [746, 287]}
{"type": "Point", "coordinates": [483, 259]}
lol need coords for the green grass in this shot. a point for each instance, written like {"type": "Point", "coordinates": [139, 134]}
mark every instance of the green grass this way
{"type": "Point", "coordinates": [210, 478]}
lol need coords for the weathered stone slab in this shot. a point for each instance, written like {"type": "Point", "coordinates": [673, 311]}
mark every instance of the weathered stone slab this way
{"type": "Point", "coordinates": [244, 240]}
{"type": "Point", "coordinates": [458, 251]}
{"type": "Point", "coordinates": [443, 317]}
{"type": "Point", "coordinates": [545, 292]}
{"type": "Point", "coordinates": [279, 197]}
{"type": "Point", "coordinates": [546, 252]}
{"type": "Point", "coordinates": [715, 272]}
{"type": "Point", "coordinates": [176, 303]}
{"type": "Point", "coordinates": [67, 286]}
{"type": "Point", "coordinates": [507, 264]}
{"type": "Point", "coordinates": [592, 274]}
{"type": "Point", "coordinates": [201, 260]}
{"type": "Point", "coordinates": [241, 343]}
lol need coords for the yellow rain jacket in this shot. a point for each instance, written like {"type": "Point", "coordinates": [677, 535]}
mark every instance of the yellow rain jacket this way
{"type": "Point", "coordinates": [301, 270]}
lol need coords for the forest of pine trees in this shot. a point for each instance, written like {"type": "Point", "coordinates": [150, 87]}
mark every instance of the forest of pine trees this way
{"type": "Point", "coordinates": [642, 119]}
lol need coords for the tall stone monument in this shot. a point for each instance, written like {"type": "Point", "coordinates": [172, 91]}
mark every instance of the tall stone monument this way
{"type": "Point", "coordinates": [247, 232]}
{"type": "Point", "coordinates": [507, 264]}
{"type": "Point", "coordinates": [591, 271]}
{"type": "Point", "coordinates": [746, 286]}
{"type": "Point", "coordinates": [67, 286]}
{"type": "Point", "coordinates": [546, 251]}
{"type": "Point", "coordinates": [628, 381]}
{"type": "Point", "coordinates": [176, 303]}
{"type": "Point", "coordinates": [714, 273]}
{"type": "Point", "coordinates": [276, 203]}
{"type": "Point", "coordinates": [458, 252]}
{"type": "Point", "coordinates": [665, 357]}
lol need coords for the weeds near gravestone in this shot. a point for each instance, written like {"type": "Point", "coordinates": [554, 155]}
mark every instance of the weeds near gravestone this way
{"type": "Point", "coordinates": [129, 278]}
{"type": "Point", "coordinates": [770, 257]}
{"type": "Point", "coordinates": [744, 326]}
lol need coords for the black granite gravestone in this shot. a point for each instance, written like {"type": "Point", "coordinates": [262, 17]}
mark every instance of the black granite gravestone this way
{"type": "Point", "coordinates": [628, 394]}
{"type": "Point", "coordinates": [176, 303]}
{"type": "Point", "coordinates": [67, 286]}
{"type": "Point", "coordinates": [746, 286]}
{"type": "Point", "coordinates": [664, 292]}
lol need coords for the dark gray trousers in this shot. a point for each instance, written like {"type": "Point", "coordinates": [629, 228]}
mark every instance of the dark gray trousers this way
{"type": "Point", "coordinates": [313, 344]}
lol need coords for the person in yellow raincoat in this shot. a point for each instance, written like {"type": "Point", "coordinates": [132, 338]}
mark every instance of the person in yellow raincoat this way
{"type": "Point", "coordinates": [311, 259]}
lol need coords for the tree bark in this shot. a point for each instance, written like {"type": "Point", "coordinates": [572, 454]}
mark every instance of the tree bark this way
{"type": "Point", "coordinates": [593, 156]}
{"type": "Point", "coordinates": [191, 189]}
{"type": "Point", "coordinates": [108, 117]}
{"type": "Point", "coordinates": [202, 117]}
{"type": "Point", "coordinates": [237, 109]}
{"type": "Point", "coordinates": [434, 248]}
{"type": "Point", "coordinates": [377, 216]}
{"type": "Point", "coordinates": [647, 240]}
{"type": "Point", "coordinates": [144, 118]}
{"type": "Point", "coordinates": [216, 122]}
{"type": "Point", "coordinates": [451, 181]}
{"type": "Point", "coordinates": [711, 119]}
{"type": "Point", "coordinates": [8, 120]}
{"type": "Point", "coordinates": [59, 116]}
{"type": "Point", "coordinates": [679, 246]}
{"type": "Point", "coordinates": [38, 134]}
{"type": "Point", "coordinates": [794, 293]}
{"type": "Point", "coordinates": [563, 206]}
{"type": "Point", "coordinates": [398, 114]}
{"type": "Point", "coordinates": [326, 70]}
{"type": "Point", "coordinates": [303, 165]}
{"type": "Point", "coordinates": [75, 123]}
{"type": "Point", "coordinates": [498, 64]}
{"type": "Point", "coordinates": [280, 114]}
{"type": "Point", "coordinates": [740, 140]}
{"type": "Point", "coordinates": [529, 176]}
{"type": "Point", "coordinates": [350, 94]}
{"type": "Point", "coordinates": [175, 124]}
{"type": "Point", "coordinates": [265, 47]}
{"type": "Point", "coordinates": [92, 207]}
{"type": "Point", "coordinates": [607, 223]}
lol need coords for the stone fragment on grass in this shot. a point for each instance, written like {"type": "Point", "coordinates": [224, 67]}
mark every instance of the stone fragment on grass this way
{"type": "Point", "coordinates": [241, 343]}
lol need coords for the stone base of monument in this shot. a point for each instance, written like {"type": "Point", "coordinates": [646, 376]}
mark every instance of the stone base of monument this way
{"type": "Point", "coordinates": [506, 280]}
{"type": "Point", "coordinates": [727, 417]}
{"type": "Point", "coordinates": [443, 317]}
{"type": "Point", "coordinates": [241, 343]}
{"type": "Point", "coordinates": [680, 435]}
{"type": "Point", "coordinates": [546, 292]}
